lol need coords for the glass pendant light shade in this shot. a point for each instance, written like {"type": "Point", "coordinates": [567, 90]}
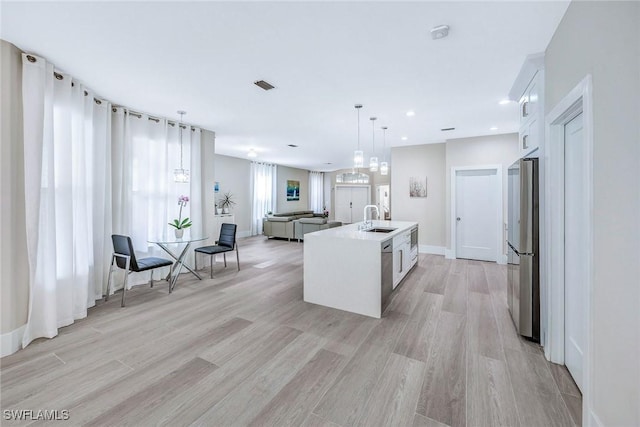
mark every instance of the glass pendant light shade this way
{"type": "Point", "coordinates": [358, 159]}
{"type": "Point", "coordinates": [181, 175]}
{"type": "Point", "coordinates": [384, 168]}
{"type": "Point", "coordinates": [373, 164]}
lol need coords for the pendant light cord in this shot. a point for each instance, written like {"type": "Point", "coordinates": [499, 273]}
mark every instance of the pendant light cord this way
{"type": "Point", "coordinates": [373, 134]}
{"type": "Point", "coordinates": [180, 128]}
{"type": "Point", "coordinates": [358, 110]}
{"type": "Point", "coordinates": [384, 143]}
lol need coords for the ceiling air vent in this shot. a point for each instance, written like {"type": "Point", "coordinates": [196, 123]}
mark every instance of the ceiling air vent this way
{"type": "Point", "coordinates": [447, 129]}
{"type": "Point", "coordinates": [264, 85]}
{"type": "Point", "coordinates": [293, 146]}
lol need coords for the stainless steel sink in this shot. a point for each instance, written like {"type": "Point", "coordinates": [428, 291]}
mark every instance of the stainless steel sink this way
{"type": "Point", "coordinates": [380, 230]}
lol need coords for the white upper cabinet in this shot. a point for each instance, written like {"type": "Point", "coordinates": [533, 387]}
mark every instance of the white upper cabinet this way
{"type": "Point", "coordinates": [528, 90]}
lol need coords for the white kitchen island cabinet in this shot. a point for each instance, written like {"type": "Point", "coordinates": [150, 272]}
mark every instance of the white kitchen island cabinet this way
{"type": "Point", "coordinates": [354, 270]}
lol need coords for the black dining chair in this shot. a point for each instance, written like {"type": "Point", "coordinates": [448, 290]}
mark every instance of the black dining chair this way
{"type": "Point", "coordinates": [225, 243]}
{"type": "Point", "coordinates": [125, 258]}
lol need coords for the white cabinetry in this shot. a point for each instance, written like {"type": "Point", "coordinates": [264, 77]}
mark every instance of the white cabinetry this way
{"type": "Point", "coordinates": [528, 90]}
{"type": "Point", "coordinates": [402, 261]}
{"type": "Point", "coordinates": [350, 202]}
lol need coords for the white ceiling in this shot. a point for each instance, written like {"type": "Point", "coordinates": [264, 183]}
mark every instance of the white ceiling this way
{"type": "Point", "coordinates": [203, 57]}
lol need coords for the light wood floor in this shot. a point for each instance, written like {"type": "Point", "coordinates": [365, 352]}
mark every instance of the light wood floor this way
{"type": "Point", "coordinates": [244, 349]}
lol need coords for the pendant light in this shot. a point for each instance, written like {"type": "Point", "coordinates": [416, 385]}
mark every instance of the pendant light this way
{"type": "Point", "coordinates": [182, 174]}
{"type": "Point", "coordinates": [358, 155]}
{"type": "Point", "coordinates": [373, 160]}
{"type": "Point", "coordinates": [384, 166]}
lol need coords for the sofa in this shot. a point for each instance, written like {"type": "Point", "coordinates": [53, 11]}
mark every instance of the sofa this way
{"type": "Point", "coordinates": [303, 226]}
{"type": "Point", "coordinates": [294, 225]}
{"type": "Point", "coordinates": [282, 224]}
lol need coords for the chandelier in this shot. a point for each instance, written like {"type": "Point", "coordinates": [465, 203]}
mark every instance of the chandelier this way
{"type": "Point", "coordinates": [182, 174]}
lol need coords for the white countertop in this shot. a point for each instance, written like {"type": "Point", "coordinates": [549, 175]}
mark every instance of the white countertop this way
{"type": "Point", "coordinates": [351, 231]}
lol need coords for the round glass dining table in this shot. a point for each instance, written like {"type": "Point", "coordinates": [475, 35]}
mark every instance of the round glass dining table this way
{"type": "Point", "coordinates": [165, 242]}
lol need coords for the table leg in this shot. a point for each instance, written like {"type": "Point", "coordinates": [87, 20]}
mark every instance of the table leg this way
{"type": "Point", "coordinates": [173, 274]}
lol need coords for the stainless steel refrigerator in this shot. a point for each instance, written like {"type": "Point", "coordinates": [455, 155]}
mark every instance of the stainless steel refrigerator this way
{"type": "Point", "coordinates": [523, 291]}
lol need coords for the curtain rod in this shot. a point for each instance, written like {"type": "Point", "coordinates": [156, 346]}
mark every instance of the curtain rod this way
{"type": "Point", "coordinates": [59, 76]}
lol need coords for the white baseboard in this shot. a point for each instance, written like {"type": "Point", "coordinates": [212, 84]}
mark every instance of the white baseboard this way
{"type": "Point", "coordinates": [11, 341]}
{"type": "Point", "coordinates": [428, 249]}
{"type": "Point", "coordinates": [449, 254]}
{"type": "Point", "coordinates": [245, 233]}
{"type": "Point", "coordinates": [594, 421]}
{"type": "Point", "coordinates": [502, 259]}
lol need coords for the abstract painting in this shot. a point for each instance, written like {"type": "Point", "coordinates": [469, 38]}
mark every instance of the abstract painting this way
{"type": "Point", "coordinates": [293, 190]}
{"type": "Point", "coordinates": [417, 187]}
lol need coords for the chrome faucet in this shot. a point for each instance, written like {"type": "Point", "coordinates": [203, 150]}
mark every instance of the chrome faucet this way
{"type": "Point", "coordinates": [365, 215]}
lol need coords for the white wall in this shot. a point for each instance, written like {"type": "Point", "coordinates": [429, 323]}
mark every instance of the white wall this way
{"type": "Point", "coordinates": [285, 173]}
{"type": "Point", "coordinates": [234, 175]}
{"type": "Point", "coordinates": [612, 57]}
{"type": "Point", "coordinates": [482, 150]}
{"type": "Point", "coordinates": [14, 287]}
{"type": "Point", "coordinates": [420, 161]}
{"type": "Point", "coordinates": [208, 164]}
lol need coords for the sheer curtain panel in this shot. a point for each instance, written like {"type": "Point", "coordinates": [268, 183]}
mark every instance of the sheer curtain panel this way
{"type": "Point", "coordinates": [263, 183]}
{"type": "Point", "coordinates": [67, 191]}
{"type": "Point", "coordinates": [316, 191]}
{"type": "Point", "coordinates": [146, 150]}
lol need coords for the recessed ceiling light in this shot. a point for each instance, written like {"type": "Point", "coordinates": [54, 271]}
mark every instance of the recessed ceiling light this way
{"type": "Point", "coordinates": [404, 138]}
{"type": "Point", "coordinates": [293, 146]}
{"type": "Point", "coordinates": [252, 153]}
{"type": "Point", "coordinates": [328, 163]}
{"type": "Point", "coordinates": [439, 32]}
{"type": "Point", "coordinates": [411, 113]}
{"type": "Point", "coordinates": [493, 128]}
{"type": "Point", "coordinates": [447, 129]}
{"type": "Point", "coordinates": [505, 102]}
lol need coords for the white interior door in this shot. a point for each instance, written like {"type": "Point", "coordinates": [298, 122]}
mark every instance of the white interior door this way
{"type": "Point", "coordinates": [476, 214]}
{"type": "Point", "coordinates": [343, 204]}
{"type": "Point", "coordinates": [360, 197]}
{"type": "Point", "coordinates": [575, 205]}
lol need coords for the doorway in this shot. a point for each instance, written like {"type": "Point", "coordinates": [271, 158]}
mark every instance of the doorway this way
{"type": "Point", "coordinates": [476, 195]}
{"type": "Point", "coordinates": [569, 232]}
{"type": "Point", "coordinates": [350, 202]}
{"type": "Point", "coordinates": [382, 201]}
{"type": "Point", "coordinates": [574, 247]}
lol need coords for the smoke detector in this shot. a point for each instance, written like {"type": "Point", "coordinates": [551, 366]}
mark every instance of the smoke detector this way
{"type": "Point", "coordinates": [439, 32]}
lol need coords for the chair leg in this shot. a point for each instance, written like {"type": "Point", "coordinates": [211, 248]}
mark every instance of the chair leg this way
{"type": "Point", "coordinates": [212, 265]}
{"type": "Point", "coordinates": [126, 278]}
{"type": "Point", "coordinates": [237, 258]}
{"type": "Point", "coordinates": [106, 298]}
{"type": "Point", "coordinates": [195, 260]}
{"type": "Point", "coordinates": [224, 256]}
{"type": "Point", "coordinates": [151, 281]}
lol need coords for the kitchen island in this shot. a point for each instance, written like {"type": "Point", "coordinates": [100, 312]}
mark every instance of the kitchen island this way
{"type": "Point", "coordinates": [357, 270]}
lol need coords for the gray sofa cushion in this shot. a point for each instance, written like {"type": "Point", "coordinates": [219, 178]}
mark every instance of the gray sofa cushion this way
{"type": "Point", "coordinates": [281, 218]}
{"type": "Point", "coordinates": [313, 220]}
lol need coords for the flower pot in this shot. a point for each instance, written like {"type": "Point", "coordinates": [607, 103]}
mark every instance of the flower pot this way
{"type": "Point", "coordinates": [225, 210]}
{"type": "Point", "coordinates": [179, 232]}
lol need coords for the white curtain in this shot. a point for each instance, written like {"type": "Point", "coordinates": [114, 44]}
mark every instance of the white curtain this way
{"type": "Point", "coordinates": [316, 191]}
{"type": "Point", "coordinates": [146, 151]}
{"type": "Point", "coordinates": [263, 183]}
{"type": "Point", "coordinates": [67, 191]}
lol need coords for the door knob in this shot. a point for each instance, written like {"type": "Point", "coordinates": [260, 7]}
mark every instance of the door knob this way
{"type": "Point", "coordinates": [458, 219]}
